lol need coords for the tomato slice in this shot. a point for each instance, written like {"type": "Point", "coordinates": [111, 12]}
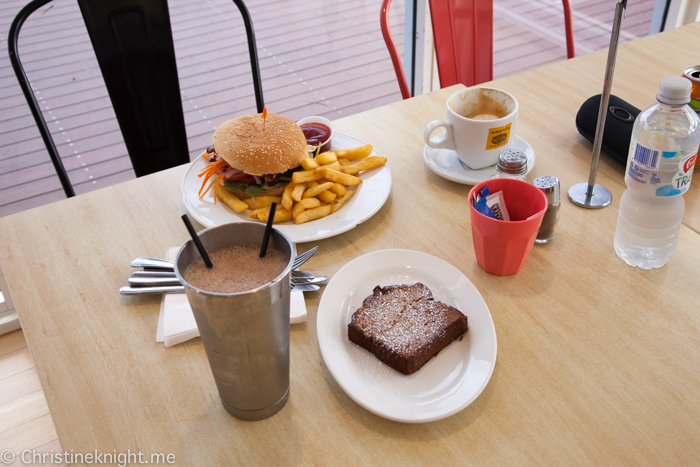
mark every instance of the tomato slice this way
{"type": "Point", "coordinates": [239, 177]}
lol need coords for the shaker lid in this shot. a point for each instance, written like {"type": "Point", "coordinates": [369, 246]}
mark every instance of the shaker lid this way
{"type": "Point", "coordinates": [674, 90]}
{"type": "Point", "coordinates": [549, 185]}
{"type": "Point", "coordinates": [512, 161]}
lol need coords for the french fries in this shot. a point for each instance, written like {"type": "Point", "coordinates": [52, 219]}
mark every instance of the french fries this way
{"type": "Point", "coordinates": [305, 204]}
{"type": "Point", "coordinates": [262, 201]}
{"type": "Point", "coordinates": [313, 214]}
{"type": "Point", "coordinates": [338, 189]}
{"type": "Point", "coordinates": [309, 163]}
{"type": "Point", "coordinates": [343, 179]}
{"type": "Point", "coordinates": [342, 200]}
{"type": "Point", "coordinates": [319, 190]}
{"type": "Point", "coordinates": [332, 166]}
{"type": "Point", "coordinates": [364, 164]}
{"type": "Point", "coordinates": [281, 215]}
{"type": "Point", "coordinates": [287, 197]}
{"type": "Point", "coordinates": [305, 176]}
{"type": "Point", "coordinates": [231, 200]}
{"type": "Point", "coordinates": [326, 158]}
{"type": "Point", "coordinates": [326, 196]}
{"type": "Point", "coordinates": [298, 191]}
{"type": "Point", "coordinates": [352, 154]}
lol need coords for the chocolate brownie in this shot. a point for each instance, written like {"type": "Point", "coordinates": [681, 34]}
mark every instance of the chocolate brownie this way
{"type": "Point", "coordinates": [404, 327]}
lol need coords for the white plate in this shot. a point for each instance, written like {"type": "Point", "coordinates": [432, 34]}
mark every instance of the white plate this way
{"type": "Point", "coordinates": [444, 162]}
{"type": "Point", "coordinates": [449, 382]}
{"type": "Point", "coordinates": [371, 195]}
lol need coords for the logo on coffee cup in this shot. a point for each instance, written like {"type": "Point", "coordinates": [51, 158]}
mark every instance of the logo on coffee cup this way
{"type": "Point", "coordinates": [498, 137]}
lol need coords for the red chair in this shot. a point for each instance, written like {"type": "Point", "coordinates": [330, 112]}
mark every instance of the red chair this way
{"type": "Point", "coordinates": [463, 35]}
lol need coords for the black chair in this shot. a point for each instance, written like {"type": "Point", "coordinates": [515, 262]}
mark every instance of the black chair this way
{"type": "Point", "coordinates": [134, 47]}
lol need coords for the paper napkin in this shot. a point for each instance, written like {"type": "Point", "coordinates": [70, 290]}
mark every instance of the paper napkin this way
{"type": "Point", "coordinates": [176, 322]}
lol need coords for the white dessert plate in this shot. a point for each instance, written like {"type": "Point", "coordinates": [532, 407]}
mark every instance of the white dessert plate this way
{"type": "Point", "coordinates": [371, 195]}
{"type": "Point", "coordinates": [444, 162]}
{"type": "Point", "coordinates": [449, 382]}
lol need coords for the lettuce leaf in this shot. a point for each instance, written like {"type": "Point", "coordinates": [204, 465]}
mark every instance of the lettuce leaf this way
{"type": "Point", "coordinates": [252, 190]}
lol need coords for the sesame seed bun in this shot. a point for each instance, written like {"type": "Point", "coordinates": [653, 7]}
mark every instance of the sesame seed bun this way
{"type": "Point", "coordinates": [246, 147]}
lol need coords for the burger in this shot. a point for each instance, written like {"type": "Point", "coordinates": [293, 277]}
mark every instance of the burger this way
{"type": "Point", "coordinates": [254, 155]}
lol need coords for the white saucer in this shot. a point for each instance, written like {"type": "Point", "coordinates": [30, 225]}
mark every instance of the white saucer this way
{"type": "Point", "coordinates": [444, 162]}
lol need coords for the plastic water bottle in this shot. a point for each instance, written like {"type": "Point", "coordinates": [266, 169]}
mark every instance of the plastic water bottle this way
{"type": "Point", "coordinates": [660, 164]}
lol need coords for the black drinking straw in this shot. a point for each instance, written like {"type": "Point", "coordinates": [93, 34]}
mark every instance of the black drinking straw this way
{"type": "Point", "coordinates": [195, 239]}
{"type": "Point", "coordinates": [268, 229]}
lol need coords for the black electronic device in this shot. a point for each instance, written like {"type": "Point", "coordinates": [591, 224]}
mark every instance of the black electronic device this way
{"type": "Point", "coordinates": [618, 125]}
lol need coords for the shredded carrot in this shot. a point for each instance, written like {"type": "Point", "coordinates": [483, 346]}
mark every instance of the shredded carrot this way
{"type": "Point", "coordinates": [205, 181]}
{"type": "Point", "coordinates": [215, 182]}
{"type": "Point", "coordinates": [213, 167]}
{"type": "Point", "coordinates": [210, 172]}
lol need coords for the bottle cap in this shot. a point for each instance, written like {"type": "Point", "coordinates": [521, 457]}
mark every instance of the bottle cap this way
{"type": "Point", "coordinates": [512, 161]}
{"type": "Point", "coordinates": [549, 185]}
{"type": "Point", "coordinates": [674, 90]}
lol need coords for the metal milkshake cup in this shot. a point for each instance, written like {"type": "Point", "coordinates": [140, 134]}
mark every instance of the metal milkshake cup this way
{"type": "Point", "coordinates": [245, 334]}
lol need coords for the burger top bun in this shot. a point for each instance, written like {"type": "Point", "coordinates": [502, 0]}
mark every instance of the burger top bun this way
{"type": "Point", "coordinates": [244, 144]}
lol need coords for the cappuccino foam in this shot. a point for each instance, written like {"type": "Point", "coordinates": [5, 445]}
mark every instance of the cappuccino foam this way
{"type": "Point", "coordinates": [485, 117]}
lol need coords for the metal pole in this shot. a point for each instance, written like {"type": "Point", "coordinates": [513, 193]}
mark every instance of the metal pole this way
{"type": "Point", "coordinates": [590, 195]}
{"type": "Point", "coordinates": [253, 52]}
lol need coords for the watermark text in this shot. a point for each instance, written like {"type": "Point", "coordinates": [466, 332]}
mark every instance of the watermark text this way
{"type": "Point", "coordinates": [121, 459]}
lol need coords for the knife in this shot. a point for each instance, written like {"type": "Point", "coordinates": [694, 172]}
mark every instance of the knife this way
{"type": "Point", "coordinates": [152, 263]}
{"type": "Point", "coordinates": [153, 281]}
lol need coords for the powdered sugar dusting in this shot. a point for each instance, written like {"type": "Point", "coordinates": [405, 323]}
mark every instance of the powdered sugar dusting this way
{"type": "Point", "coordinates": [403, 318]}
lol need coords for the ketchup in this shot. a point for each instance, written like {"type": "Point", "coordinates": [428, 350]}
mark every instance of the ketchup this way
{"type": "Point", "coordinates": [316, 133]}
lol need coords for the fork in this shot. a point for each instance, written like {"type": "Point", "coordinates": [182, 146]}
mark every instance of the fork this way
{"type": "Point", "coordinates": [304, 257]}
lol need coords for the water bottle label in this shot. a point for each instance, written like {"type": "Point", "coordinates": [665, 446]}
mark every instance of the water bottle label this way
{"type": "Point", "coordinates": [643, 169]}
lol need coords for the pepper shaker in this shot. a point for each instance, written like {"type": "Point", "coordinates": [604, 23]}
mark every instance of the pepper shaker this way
{"type": "Point", "coordinates": [550, 187]}
{"type": "Point", "coordinates": [512, 163]}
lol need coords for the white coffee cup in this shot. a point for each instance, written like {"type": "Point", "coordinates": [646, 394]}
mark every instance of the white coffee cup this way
{"type": "Point", "coordinates": [476, 141]}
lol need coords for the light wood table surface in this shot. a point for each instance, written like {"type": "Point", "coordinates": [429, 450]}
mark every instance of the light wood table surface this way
{"type": "Point", "coordinates": [597, 361]}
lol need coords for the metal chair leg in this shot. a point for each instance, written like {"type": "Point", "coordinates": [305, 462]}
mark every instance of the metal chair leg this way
{"type": "Point", "coordinates": [29, 95]}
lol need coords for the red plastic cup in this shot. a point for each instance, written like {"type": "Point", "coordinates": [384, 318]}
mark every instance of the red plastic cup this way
{"type": "Point", "coordinates": [503, 247]}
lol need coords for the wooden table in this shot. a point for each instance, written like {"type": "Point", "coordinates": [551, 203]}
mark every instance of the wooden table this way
{"type": "Point", "coordinates": [597, 361]}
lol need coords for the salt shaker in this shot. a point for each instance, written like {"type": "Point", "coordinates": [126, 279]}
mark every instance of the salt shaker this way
{"type": "Point", "coordinates": [550, 187]}
{"type": "Point", "coordinates": [512, 163]}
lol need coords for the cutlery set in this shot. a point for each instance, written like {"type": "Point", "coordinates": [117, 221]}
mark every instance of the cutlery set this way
{"type": "Point", "coordinates": [158, 277]}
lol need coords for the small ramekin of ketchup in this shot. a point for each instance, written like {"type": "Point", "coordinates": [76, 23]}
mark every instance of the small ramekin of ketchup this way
{"type": "Point", "coordinates": [317, 130]}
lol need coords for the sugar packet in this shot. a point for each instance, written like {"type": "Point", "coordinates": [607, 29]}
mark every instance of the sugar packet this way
{"type": "Point", "coordinates": [497, 206]}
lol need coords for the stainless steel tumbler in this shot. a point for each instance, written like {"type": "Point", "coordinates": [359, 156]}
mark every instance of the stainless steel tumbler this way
{"type": "Point", "coordinates": [246, 334]}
